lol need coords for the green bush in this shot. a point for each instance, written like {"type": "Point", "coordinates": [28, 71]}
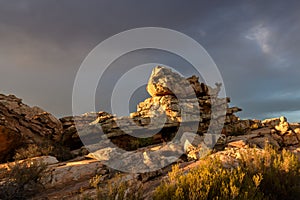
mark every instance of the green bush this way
{"type": "Point", "coordinates": [265, 175]}
{"type": "Point", "coordinates": [22, 180]}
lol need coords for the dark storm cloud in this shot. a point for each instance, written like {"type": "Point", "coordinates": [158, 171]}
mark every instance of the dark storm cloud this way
{"type": "Point", "coordinates": [255, 44]}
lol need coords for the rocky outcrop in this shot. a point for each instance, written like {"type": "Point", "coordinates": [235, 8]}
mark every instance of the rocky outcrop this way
{"type": "Point", "coordinates": [280, 137]}
{"type": "Point", "coordinates": [21, 125]}
{"type": "Point", "coordinates": [176, 105]}
{"type": "Point", "coordinates": [174, 121]}
{"type": "Point", "coordinates": [187, 104]}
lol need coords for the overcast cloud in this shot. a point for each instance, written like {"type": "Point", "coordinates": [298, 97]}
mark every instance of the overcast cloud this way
{"type": "Point", "coordinates": [255, 44]}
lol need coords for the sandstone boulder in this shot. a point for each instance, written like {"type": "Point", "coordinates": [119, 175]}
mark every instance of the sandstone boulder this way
{"type": "Point", "coordinates": [283, 126]}
{"type": "Point", "coordinates": [164, 81]}
{"type": "Point", "coordinates": [68, 173]}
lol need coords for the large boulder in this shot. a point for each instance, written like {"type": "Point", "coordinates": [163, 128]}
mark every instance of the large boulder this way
{"type": "Point", "coordinates": [283, 126]}
{"type": "Point", "coordinates": [164, 81]}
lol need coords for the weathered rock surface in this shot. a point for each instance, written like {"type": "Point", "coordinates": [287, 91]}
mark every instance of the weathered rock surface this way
{"type": "Point", "coordinates": [58, 175]}
{"type": "Point", "coordinates": [160, 117]}
{"type": "Point", "coordinates": [145, 159]}
{"type": "Point", "coordinates": [21, 125]}
{"type": "Point", "coordinates": [164, 81]}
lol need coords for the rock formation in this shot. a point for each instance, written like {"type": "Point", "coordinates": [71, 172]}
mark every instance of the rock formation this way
{"type": "Point", "coordinates": [177, 105]}
{"type": "Point", "coordinates": [191, 103]}
{"type": "Point", "coordinates": [21, 125]}
{"type": "Point", "coordinates": [179, 110]}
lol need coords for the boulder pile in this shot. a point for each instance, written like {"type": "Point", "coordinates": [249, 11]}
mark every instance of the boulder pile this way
{"type": "Point", "coordinates": [176, 105]}
{"type": "Point", "coordinates": [191, 104]}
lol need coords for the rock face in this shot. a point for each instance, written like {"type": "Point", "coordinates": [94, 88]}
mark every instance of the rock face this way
{"type": "Point", "coordinates": [21, 125]}
{"type": "Point", "coordinates": [71, 172]}
{"type": "Point", "coordinates": [9, 140]}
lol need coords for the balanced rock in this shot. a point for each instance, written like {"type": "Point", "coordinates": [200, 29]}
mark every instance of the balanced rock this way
{"type": "Point", "coordinates": [283, 125]}
{"type": "Point", "coordinates": [164, 81]}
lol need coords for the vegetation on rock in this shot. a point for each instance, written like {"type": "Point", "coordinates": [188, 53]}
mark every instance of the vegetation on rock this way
{"type": "Point", "coordinates": [22, 180]}
{"type": "Point", "coordinates": [117, 188]}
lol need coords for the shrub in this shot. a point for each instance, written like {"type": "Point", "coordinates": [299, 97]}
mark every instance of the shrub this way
{"type": "Point", "coordinates": [45, 148]}
{"type": "Point", "coordinates": [32, 150]}
{"type": "Point", "coordinates": [22, 180]}
{"type": "Point", "coordinates": [117, 188]}
{"type": "Point", "coordinates": [266, 175]}
{"type": "Point", "coordinates": [280, 170]}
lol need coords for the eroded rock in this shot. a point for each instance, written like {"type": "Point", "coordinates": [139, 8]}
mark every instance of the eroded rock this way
{"type": "Point", "coordinates": [22, 125]}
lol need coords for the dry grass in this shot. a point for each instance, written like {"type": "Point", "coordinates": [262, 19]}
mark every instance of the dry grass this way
{"type": "Point", "coordinates": [268, 175]}
{"type": "Point", "coordinates": [21, 180]}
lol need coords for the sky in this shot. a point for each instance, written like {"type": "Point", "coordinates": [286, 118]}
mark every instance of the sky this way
{"type": "Point", "coordinates": [255, 44]}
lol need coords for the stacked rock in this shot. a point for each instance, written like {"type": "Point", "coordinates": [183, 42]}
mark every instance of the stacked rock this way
{"type": "Point", "coordinates": [177, 105]}
{"type": "Point", "coordinates": [185, 101]}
